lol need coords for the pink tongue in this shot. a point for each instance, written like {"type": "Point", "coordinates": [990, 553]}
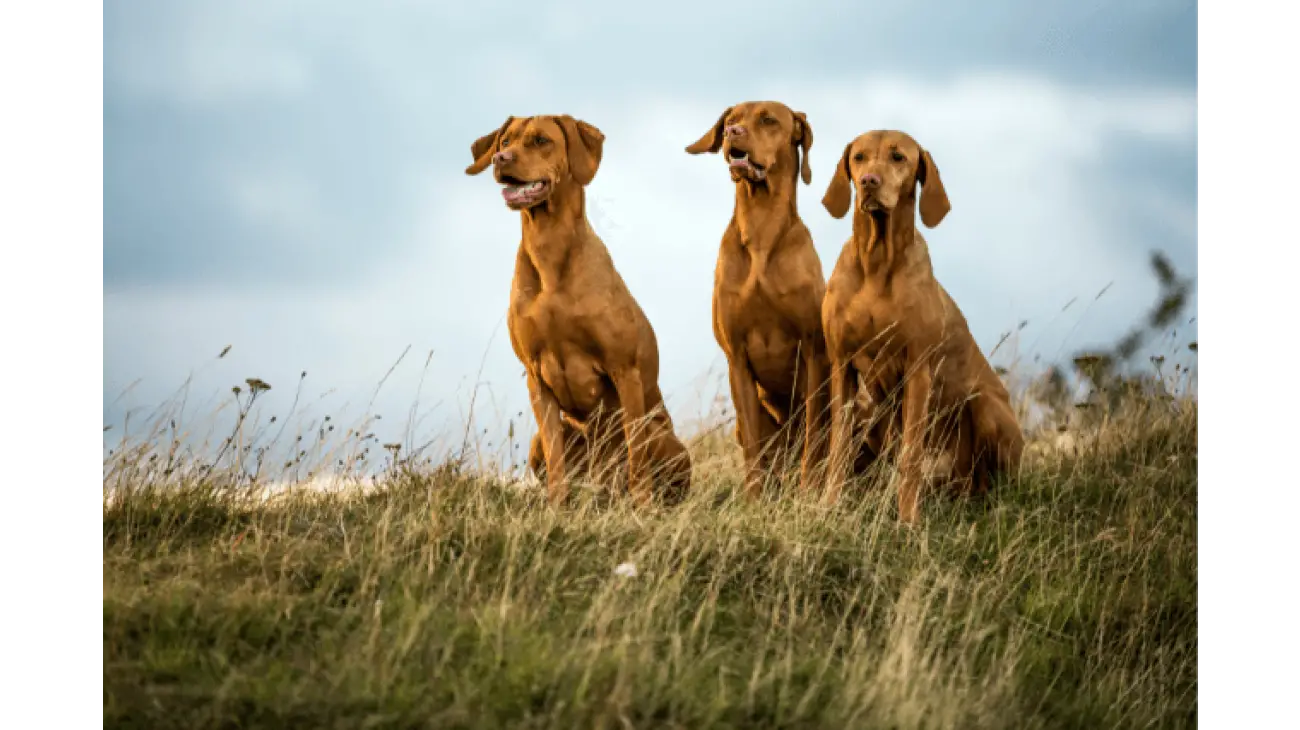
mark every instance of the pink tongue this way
{"type": "Point", "coordinates": [521, 192]}
{"type": "Point", "coordinates": [740, 162]}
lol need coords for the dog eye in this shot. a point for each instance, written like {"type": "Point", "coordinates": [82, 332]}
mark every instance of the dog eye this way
{"type": "Point", "coordinates": [505, 141]}
{"type": "Point", "coordinates": [897, 156]}
{"type": "Point", "coordinates": [539, 140]}
{"type": "Point", "coordinates": [857, 157]}
{"type": "Point", "coordinates": [767, 120]}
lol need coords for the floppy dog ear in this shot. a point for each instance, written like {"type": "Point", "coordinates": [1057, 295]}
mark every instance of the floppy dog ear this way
{"type": "Point", "coordinates": [585, 144]}
{"type": "Point", "coordinates": [804, 137]}
{"type": "Point", "coordinates": [934, 199]}
{"type": "Point", "coordinates": [840, 192]}
{"type": "Point", "coordinates": [484, 147]}
{"type": "Point", "coordinates": [712, 139]}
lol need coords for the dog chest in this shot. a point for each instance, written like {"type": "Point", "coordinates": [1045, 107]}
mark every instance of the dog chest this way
{"type": "Point", "coordinates": [859, 330]}
{"type": "Point", "coordinates": [771, 353]}
{"type": "Point", "coordinates": [548, 318]}
{"type": "Point", "coordinates": [756, 304]}
{"type": "Point", "coordinates": [576, 379]}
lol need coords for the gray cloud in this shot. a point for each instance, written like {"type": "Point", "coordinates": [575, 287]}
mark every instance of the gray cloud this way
{"type": "Point", "coordinates": [287, 177]}
{"type": "Point", "coordinates": [354, 106]}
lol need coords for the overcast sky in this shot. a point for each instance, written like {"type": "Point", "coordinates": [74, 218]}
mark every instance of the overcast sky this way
{"type": "Point", "coordinates": [287, 177]}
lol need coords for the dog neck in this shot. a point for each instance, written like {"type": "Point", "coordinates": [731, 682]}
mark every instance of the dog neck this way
{"type": "Point", "coordinates": [882, 239]}
{"type": "Point", "coordinates": [765, 211]}
{"type": "Point", "coordinates": [551, 231]}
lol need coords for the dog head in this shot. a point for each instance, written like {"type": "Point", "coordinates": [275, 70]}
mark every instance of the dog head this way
{"type": "Point", "coordinates": [760, 139]}
{"type": "Point", "coordinates": [884, 167]}
{"type": "Point", "coordinates": [533, 156]}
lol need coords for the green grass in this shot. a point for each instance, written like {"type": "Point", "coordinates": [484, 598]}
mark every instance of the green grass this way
{"type": "Point", "coordinates": [446, 599]}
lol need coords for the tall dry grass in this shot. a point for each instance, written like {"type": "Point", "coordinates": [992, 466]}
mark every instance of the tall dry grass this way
{"type": "Point", "coordinates": [441, 595]}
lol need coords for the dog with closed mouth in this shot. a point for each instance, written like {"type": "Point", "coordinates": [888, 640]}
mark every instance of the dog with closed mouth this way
{"type": "Point", "coordinates": [768, 289]}
{"type": "Point", "coordinates": [905, 370]}
{"type": "Point", "coordinates": [590, 356]}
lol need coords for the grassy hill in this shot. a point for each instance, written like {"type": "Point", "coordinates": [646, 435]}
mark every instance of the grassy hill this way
{"type": "Point", "coordinates": [450, 599]}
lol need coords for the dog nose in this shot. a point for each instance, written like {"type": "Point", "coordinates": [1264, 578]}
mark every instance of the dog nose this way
{"type": "Point", "coordinates": [871, 180]}
{"type": "Point", "coordinates": [735, 130]}
{"type": "Point", "coordinates": [502, 156]}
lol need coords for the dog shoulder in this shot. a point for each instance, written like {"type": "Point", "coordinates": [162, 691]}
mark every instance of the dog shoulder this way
{"type": "Point", "coordinates": [844, 261]}
{"type": "Point", "coordinates": [917, 259]}
{"type": "Point", "coordinates": [953, 317]}
{"type": "Point", "coordinates": [731, 244]}
{"type": "Point", "coordinates": [596, 259]}
{"type": "Point", "coordinates": [955, 338]}
{"type": "Point", "coordinates": [799, 240]}
{"type": "Point", "coordinates": [846, 253]}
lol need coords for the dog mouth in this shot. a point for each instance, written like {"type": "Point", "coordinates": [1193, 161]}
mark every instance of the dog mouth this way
{"type": "Point", "coordinates": [523, 193]}
{"type": "Point", "coordinates": [872, 206]}
{"type": "Point", "coordinates": [739, 161]}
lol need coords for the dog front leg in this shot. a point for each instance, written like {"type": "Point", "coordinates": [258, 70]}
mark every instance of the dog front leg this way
{"type": "Point", "coordinates": [843, 381]}
{"type": "Point", "coordinates": [815, 417]}
{"type": "Point", "coordinates": [546, 409]}
{"type": "Point", "coordinates": [999, 442]}
{"type": "Point", "coordinates": [916, 410]}
{"type": "Point", "coordinates": [631, 394]}
{"type": "Point", "coordinates": [744, 394]}
{"type": "Point", "coordinates": [537, 455]}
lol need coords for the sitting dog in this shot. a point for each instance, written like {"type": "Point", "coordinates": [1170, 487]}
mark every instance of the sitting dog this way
{"type": "Point", "coordinates": [768, 289]}
{"type": "Point", "coordinates": [589, 353]}
{"type": "Point", "coordinates": [891, 327]}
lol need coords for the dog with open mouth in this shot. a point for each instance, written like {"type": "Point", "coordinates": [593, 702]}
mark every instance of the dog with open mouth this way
{"type": "Point", "coordinates": [899, 344]}
{"type": "Point", "coordinates": [590, 356]}
{"type": "Point", "coordinates": [767, 293]}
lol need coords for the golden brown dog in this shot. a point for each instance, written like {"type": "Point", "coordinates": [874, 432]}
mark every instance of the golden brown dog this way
{"type": "Point", "coordinates": [589, 353]}
{"type": "Point", "coordinates": [890, 325]}
{"type": "Point", "coordinates": [768, 289]}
